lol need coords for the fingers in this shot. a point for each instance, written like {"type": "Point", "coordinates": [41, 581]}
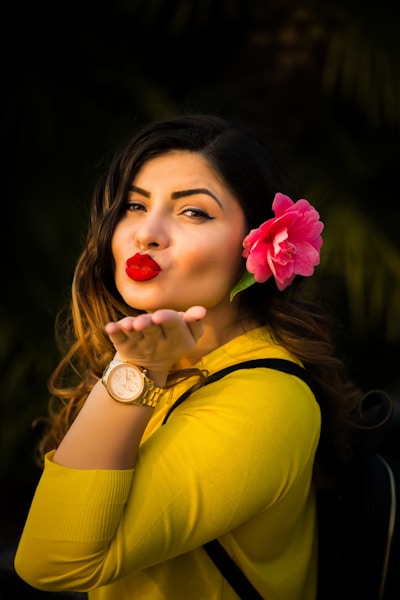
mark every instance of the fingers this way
{"type": "Point", "coordinates": [115, 333]}
{"type": "Point", "coordinates": [194, 320]}
{"type": "Point", "coordinates": [129, 330]}
{"type": "Point", "coordinates": [160, 317]}
{"type": "Point", "coordinates": [194, 313]}
{"type": "Point", "coordinates": [128, 324]}
{"type": "Point", "coordinates": [134, 334]}
{"type": "Point", "coordinates": [165, 316]}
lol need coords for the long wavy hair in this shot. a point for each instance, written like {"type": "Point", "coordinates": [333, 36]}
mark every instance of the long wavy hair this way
{"type": "Point", "coordinates": [296, 320]}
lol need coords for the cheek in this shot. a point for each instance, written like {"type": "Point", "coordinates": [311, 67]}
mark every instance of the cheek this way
{"type": "Point", "coordinates": [118, 254]}
{"type": "Point", "coordinates": [115, 243]}
{"type": "Point", "coordinates": [223, 260]}
{"type": "Point", "coordinates": [119, 242]}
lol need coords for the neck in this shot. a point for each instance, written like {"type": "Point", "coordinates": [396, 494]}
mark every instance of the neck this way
{"type": "Point", "coordinates": [216, 334]}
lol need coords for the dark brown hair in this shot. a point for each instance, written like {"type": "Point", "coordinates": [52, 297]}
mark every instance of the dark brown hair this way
{"type": "Point", "coordinates": [294, 319]}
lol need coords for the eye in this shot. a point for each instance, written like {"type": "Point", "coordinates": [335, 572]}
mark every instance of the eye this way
{"type": "Point", "coordinates": [197, 214]}
{"type": "Point", "coordinates": [134, 206]}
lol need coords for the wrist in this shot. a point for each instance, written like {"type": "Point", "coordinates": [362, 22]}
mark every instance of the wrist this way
{"type": "Point", "coordinates": [128, 383]}
{"type": "Point", "coordinates": [158, 375]}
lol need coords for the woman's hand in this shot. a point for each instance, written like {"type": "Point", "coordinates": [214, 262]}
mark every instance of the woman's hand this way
{"type": "Point", "coordinates": [106, 434]}
{"type": "Point", "coordinates": [157, 340]}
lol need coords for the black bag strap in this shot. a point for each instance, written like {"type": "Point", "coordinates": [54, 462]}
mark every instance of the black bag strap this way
{"type": "Point", "coordinates": [214, 549]}
{"type": "Point", "coordinates": [229, 569]}
{"type": "Point", "coordinates": [279, 364]}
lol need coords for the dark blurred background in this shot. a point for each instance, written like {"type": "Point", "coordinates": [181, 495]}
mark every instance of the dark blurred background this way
{"type": "Point", "coordinates": [320, 78]}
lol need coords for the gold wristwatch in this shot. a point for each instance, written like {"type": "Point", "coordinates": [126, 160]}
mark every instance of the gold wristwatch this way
{"type": "Point", "coordinates": [129, 384]}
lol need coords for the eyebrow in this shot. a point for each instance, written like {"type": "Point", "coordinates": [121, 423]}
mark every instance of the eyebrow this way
{"type": "Point", "coordinates": [178, 194]}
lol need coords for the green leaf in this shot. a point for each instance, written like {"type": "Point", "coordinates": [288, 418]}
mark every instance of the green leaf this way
{"type": "Point", "coordinates": [246, 280]}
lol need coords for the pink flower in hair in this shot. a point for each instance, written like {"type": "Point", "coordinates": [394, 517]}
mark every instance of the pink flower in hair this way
{"type": "Point", "coordinates": [282, 247]}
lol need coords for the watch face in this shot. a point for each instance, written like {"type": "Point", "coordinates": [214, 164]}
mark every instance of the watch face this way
{"type": "Point", "coordinates": [125, 382]}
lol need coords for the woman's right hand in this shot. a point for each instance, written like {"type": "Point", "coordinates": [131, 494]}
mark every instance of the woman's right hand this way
{"type": "Point", "coordinates": [156, 341]}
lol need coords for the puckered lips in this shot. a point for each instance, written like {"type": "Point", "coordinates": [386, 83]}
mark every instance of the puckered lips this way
{"type": "Point", "coordinates": [141, 267]}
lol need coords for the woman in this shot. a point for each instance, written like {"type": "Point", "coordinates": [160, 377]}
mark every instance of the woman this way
{"type": "Point", "coordinates": [181, 228]}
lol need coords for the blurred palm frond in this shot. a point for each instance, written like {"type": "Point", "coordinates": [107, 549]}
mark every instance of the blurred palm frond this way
{"type": "Point", "coordinates": [362, 256]}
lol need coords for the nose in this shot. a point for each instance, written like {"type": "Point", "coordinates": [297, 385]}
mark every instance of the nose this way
{"type": "Point", "coordinates": [152, 232]}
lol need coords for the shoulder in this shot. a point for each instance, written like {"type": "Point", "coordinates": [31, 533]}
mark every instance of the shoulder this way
{"type": "Point", "coordinates": [262, 399]}
{"type": "Point", "coordinates": [263, 388]}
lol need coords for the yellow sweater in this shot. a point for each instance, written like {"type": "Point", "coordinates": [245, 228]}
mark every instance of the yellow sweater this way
{"type": "Point", "coordinates": [234, 461]}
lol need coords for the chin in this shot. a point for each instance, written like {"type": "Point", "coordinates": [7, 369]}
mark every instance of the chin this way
{"type": "Point", "coordinates": [150, 307]}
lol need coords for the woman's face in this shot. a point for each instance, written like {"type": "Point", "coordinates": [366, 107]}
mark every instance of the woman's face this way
{"type": "Point", "coordinates": [181, 237]}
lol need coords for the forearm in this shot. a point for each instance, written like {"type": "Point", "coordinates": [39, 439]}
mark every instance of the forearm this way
{"type": "Point", "coordinates": [105, 435]}
{"type": "Point", "coordinates": [71, 523]}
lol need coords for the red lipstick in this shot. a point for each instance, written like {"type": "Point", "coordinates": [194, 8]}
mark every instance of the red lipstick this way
{"type": "Point", "coordinates": [141, 267]}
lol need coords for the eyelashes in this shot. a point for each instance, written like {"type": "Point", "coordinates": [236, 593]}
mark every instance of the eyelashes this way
{"type": "Point", "coordinates": [191, 212]}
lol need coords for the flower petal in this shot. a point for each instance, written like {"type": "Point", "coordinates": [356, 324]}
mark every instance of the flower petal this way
{"type": "Point", "coordinates": [285, 246]}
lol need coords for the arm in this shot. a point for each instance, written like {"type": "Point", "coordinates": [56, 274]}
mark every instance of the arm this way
{"type": "Point", "coordinates": [106, 434]}
{"type": "Point", "coordinates": [191, 483]}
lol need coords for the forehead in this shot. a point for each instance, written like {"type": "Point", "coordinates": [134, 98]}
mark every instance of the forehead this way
{"type": "Point", "coordinates": [182, 174]}
{"type": "Point", "coordinates": [178, 167]}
